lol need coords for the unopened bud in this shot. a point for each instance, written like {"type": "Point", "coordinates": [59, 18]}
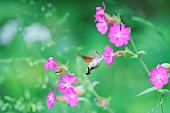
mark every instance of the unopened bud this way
{"type": "Point", "coordinates": [112, 19]}
{"type": "Point", "coordinates": [60, 70]}
{"type": "Point", "coordinates": [166, 65]}
{"type": "Point", "coordinates": [104, 103]}
{"type": "Point", "coordinates": [60, 99]}
{"type": "Point", "coordinates": [80, 90]}
{"type": "Point", "coordinates": [101, 101]}
{"type": "Point", "coordinates": [77, 79]}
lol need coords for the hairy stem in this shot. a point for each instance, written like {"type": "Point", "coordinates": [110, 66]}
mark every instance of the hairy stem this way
{"type": "Point", "coordinates": [144, 65]}
{"type": "Point", "coordinates": [146, 69]}
{"type": "Point", "coordinates": [139, 58]}
{"type": "Point", "coordinates": [133, 45]}
{"type": "Point", "coordinates": [92, 88]}
{"type": "Point", "coordinates": [161, 104]}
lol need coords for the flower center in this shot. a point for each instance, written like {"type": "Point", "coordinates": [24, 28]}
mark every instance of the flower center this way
{"type": "Point", "coordinates": [50, 98]}
{"type": "Point", "coordinates": [119, 35]}
{"type": "Point", "coordinates": [112, 55]}
{"type": "Point", "coordinates": [158, 76]}
{"type": "Point", "coordinates": [68, 85]}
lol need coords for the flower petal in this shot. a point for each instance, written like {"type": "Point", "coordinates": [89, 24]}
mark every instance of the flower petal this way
{"type": "Point", "coordinates": [158, 84]}
{"type": "Point", "coordinates": [71, 97]}
{"type": "Point", "coordinates": [119, 42]}
{"type": "Point", "coordinates": [61, 89]}
{"type": "Point", "coordinates": [50, 104]}
{"type": "Point", "coordinates": [63, 78]}
{"type": "Point", "coordinates": [109, 49]}
{"type": "Point", "coordinates": [61, 84]}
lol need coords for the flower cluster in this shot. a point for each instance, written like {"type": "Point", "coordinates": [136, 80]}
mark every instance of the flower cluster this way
{"type": "Point", "coordinates": [102, 23]}
{"type": "Point", "coordinates": [65, 86]}
{"type": "Point", "coordinates": [119, 34]}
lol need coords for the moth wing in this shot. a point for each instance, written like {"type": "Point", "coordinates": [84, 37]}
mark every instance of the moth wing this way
{"type": "Point", "coordinates": [95, 54]}
{"type": "Point", "coordinates": [87, 59]}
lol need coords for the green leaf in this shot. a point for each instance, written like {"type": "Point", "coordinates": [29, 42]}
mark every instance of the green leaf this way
{"type": "Point", "coordinates": [141, 20]}
{"type": "Point", "coordinates": [141, 52]}
{"type": "Point", "coordinates": [147, 91]}
{"type": "Point", "coordinates": [95, 83]}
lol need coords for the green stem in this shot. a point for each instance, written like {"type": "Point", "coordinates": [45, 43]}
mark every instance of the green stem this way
{"type": "Point", "coordinates": [92, 88]}
{"type": "Point", "coordinates": [139, 58]}
{"type": "Point", "coordinates": [144, 65]}
{"type": "Point", "coordinates": [160, 99]}
{"type": "Point", "coordinates": [133, 45]}
{"type": "Point", "coordinates": [109, 109]}
{"type": "Point", "coordinates": [146, 69]}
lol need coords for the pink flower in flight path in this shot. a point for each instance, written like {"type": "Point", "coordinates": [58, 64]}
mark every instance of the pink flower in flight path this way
{"type": "Point", "coordinates": [109, 57]}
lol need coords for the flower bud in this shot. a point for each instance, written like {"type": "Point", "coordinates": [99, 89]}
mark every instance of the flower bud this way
{"type": "Point", "coordinates": [80, 90]}
{"type": "Point", "coordinates": [60, 99]}
{"type": "Point", "coordinates": [166, 65]}
{"type": "Point", "coordinates": [101, 101]}
{"type": "Point", "coordinates": [112, 19]}
{"type": "Point", "coordinates": [59, 71]}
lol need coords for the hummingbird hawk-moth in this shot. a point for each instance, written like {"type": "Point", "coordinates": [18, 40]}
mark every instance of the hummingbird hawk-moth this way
{"type": "Point", "coordinates": [93, 61]}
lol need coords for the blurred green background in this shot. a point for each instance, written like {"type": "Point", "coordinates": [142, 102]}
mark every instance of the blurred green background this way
{"type": "Point", "coordinates": [31, 31]}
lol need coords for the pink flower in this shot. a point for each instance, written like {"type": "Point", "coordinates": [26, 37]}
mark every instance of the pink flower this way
{"type": "Point", "coordinates": [71, 97]}
{"type": "Point", "coordinates": [102, 26]}
{"type": "Point", "coordinates": [99, 13]}
{"type": "Point", "coordinates": [50, 64]}
{"type": "Point", "coordinates": [159, 76]}
{"type": "Point", "coordinates": [109, 57]}
{"type": "Point", "coordinates": [66, 82]}
{"type": "Point", "coordinates": [119, 35]}
{"type": "Point", "coordinates": [51, 98]}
